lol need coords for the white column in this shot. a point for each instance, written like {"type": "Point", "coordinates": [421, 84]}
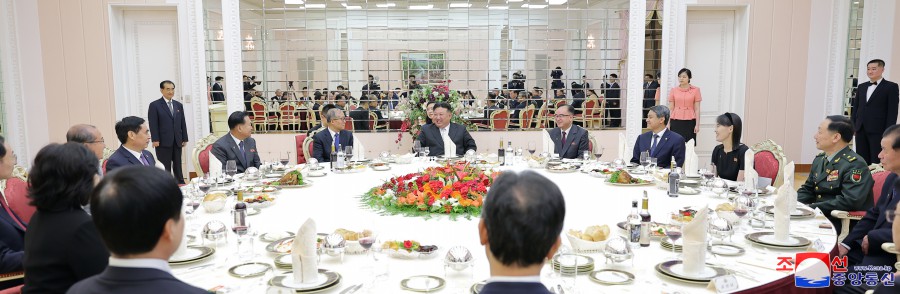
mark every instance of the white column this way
{"type": "Point", "coordinates": [877, 36]}
{"type": "Point", "coordinates": [634, 91]}
{"type": "Point", "coordinates": [674, 28]}
{"type": "Point", "coordinates": [234, 82]}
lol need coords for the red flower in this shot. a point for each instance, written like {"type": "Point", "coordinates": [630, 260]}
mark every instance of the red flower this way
{"type": "Point", "coordinates": [407, 244]}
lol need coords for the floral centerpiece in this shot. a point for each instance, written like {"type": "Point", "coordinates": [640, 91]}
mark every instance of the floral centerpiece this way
{"type": "Point", "coordinates": [414, 108]}
{"type": "Point", "coordinates": [454, 190]}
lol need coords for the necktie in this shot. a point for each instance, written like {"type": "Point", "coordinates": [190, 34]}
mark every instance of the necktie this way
{"type": "Point", "coordinates": [243, 155]}
{"type": "Point", "coordinates": [171, 109]}
{"type": "Point", "coordinates": [337, 141]}
{"type": "Point", "coordinates": [653, 145]}
{"type": "Point", "coordinates": [563, 139]}
{"type": "Point", "coordinates": [144, 160]}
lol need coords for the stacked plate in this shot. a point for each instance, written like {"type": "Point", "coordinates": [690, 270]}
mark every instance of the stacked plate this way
{"type": "Point", "coordinates": [192, 254]}
{"type": "Point", "coordinates": [674, 269]}
{"type": "Point", "coordinates": [326, 280]}
{"type": "Point", "coordinates": [667, 245]}
{"type": "Point", "coordinates": [767, 239]}
{"type": "Point", "coordinates": [611, 277]}
{"type": "Point", "coordinates": [798, 213]}
{"type": "Point", "coordinates": [284, 261]}
{"type": "Point", "coordinates": [422, 283]}
{"type": "Point", "coordinates": [572, 264]}
{"type": "Point", "coordinates": [249, 270]}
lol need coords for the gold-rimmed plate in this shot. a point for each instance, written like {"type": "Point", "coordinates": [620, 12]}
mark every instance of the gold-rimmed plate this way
{"type": "Point", "coordinates": [272, 237]}
{"type": "Point", "coordinates": [644, 183]}
{"type": "Point", "coordinates": [675, 269]}
{"type": "Point", "coordinates": [327, 280]}
{"type": "Point", "coordinates": [284, 261]}
{"type": "Point", "coordinates": [283, 245]}
{"type": "Point", "coordinates": [611, 277]}
{"type": "Point", "coordinates": [726, 249]}
{"type": "Point", "coordinates": [249, 270]}
{"type": "Point", "coordinates": [476, 288]}
{"type": "Point", "coordinates": [192, 254]}
{"type": "Point", "coordinates": [306, 183]}
{"type": "Point", "coordinates": [768, 239]}
{"type": "Point", "coordinates": [423, 283]}
{"type": "Point", "coordinates": [798, 213]}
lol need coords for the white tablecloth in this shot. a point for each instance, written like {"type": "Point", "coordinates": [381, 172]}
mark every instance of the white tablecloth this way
{"type": "Point", "coordinates": [333, 202]}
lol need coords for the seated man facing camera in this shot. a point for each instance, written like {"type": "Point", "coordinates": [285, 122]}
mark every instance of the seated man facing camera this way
{"type": "Point", "coordinates": [520, 224]}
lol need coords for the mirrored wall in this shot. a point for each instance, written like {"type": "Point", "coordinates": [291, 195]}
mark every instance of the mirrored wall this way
{"type": "Point", "coordinates": [474, 47]}
{"type": "Point", "coordinates": [854, 41]}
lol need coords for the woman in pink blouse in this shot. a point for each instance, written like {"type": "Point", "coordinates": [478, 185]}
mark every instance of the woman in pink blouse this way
{"type": "Point", "coordinates": [684, 101]}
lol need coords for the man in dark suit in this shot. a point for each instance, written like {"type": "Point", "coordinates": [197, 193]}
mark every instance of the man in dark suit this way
{"type": "Point", "coordinates": [333, 136]}
{"type": "Point", "coordinates": [863, 245]}
{"type": "Point", "coordinates": [650, 86]}
{"type": "Point", "coordinates": [360, 115]}
{"type": "Point", "coordinates": [168, 128]}
{"type": "Point", "coordinates": [134, 134]}
{"type": "Point", "coordinates": [91, 138]}
{"type": "Point", "coordinates": [443, 137]}
{"type": "Point", "coordinates": [569, 141]}
{"type": "Point", "coordinates": [237, 144]}
{"type": "Point", "coordinates": [218, 95]}
{"type": "Point", "coordinates": [613, 103]}
{"type": "Point", "coordinates": [662, 143]}
{"type": "Point", "coordinates": [874, 109]}
{"type": "Point", "coordinates": [12, 228]}
{"type": "Point", "coordinates": [141, 240]}
{"type": "Point", "coordinates": [320, 114]}
{"type": "Point", "coordinates": [520, 227]}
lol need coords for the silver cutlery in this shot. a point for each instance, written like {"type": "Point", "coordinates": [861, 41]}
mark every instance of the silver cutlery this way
{"type": "Point", "coordinates": [195, 268]}
{"type": "Point", "coordinates": [352, 289]}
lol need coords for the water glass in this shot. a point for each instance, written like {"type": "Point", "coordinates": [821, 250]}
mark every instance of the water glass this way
{"type": "Point", "coordinates": [653, 163]}
{"type": "Point", "coordinates": [230, 168]}
{"type": "Point", "coordinates": [245, 249]}
{"type": "Point", "coordinates": [348, 152]}
{"type": "Point", "coordinates": [586, 155]}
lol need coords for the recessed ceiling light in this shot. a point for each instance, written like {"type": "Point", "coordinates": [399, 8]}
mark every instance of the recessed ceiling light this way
{"type": "Point", "coordinates": [460, 5]}
{"type": "Point", "coordinates": [557, 2]}
{"type": "Point", "coordinates": [534, 6]}
{"type": "Point", "coordinates": [385, 5]}
{"type": "Point", "coordinates": [421, 7]}
{"type": "Point", "coordinates": [293, 2]}
{"type": "Point", "coordinates": [315, 5]}
{"type": "Point", "coordinates": [351, 6]}
{"type": "Point", "coordinates": [515, 0]}
{"type": "Point", "coordinates": [498, 7]}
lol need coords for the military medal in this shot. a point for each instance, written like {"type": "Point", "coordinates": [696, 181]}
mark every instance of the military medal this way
{"type": "Point", "coordinates": [832, 176]}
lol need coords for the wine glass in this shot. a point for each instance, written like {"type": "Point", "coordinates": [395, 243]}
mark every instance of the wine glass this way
{"type": "Point", "coordinates": [531, 148]}
{"type": "Point", "coordinates": [708, 174]}
{"type": "Point", "coordinates": [645, 159]}
{"type": "Point", "coordinates": [598, 152]}
{"type": "Point", "coordinates": [673, 231]}
{"type": "Point", "coordinates": [742, 206]}
{"type": "Point", "coordinates": [384, 156]}
{"type": "Point", "coordinates": [285, 158]}
{"type": "Point", "coordinates": [204, 184]}
{"type": "Point", "coordinates": [348, 152]}
{"type": "Point", "coordinates": [586, 155]}
{"type": "Point", "coordinates": [425, 151]}
{"type": "Point", "coordinates": [231, 168]}
{"type": "Point", "coordinates": [417, 146]}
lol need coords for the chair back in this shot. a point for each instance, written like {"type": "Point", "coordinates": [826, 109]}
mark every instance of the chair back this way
{"type": "Point", "coordinates": [879, 175]}
{"type": "Point", "coordinates": [15, 194]}
{"type": "Point", "coordinates": [310, 119]}
{"type": "Point", "coordinates": [591, 143]}
{"type": "Point", "coordinates": [500, 119]}
{"type": "Point", "coordinates": [542, 117]}
{"type": "Point", "coordinates": [288, 111]}
{"type": "Point", "coordinates": [373, 120]}
{"type": "Point", "coordinates": [202, 154]}
{"type": "Point", "coordinates": [298, 146]}
{"type": "Point", "coordinates": [768, 161]}
{"type": "Point", "coordinates": [348, 123]}
{"type": "Point", "coordinates": [559, 103]}
{"type": "Point", "coordinates": [308, 146]}
{"type": "Point", "coordinates": [526, 117]}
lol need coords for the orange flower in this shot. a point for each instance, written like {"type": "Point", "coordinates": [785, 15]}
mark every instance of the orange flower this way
{"type": "Point", "coordinates": [476, 203]}
{"type": "Point", "coordinates": [401, 200]}
{"type": "Point", "coordinates": [455, 194]}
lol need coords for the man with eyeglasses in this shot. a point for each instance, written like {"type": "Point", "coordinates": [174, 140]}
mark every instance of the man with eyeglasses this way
{"type": "Point", "coordinates": [569, 141]}
{"type": "Point", "coordinates": [863, 245]}
{"type": "Point", "coordinates": [660, 142]}
{"type": "Point", "coordinates": [333, 136]}
{"type": "Point", "coordinates": [91, 138]}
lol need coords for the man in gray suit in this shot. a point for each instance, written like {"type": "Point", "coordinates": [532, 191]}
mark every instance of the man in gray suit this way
{"type": "Point", "coordinates": [569, 141]}
{"type": "Point", "coordinates": [237, 144]}
{"type": "Point", "coordinates": [442, 136]}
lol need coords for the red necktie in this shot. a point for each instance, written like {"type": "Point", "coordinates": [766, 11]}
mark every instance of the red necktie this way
{"type": "Point", "coordinates": [563, 139]}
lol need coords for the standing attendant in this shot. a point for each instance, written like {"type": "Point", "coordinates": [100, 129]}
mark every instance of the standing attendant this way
{"type": "Point", "coordinates": [217, 94]}
{"type": "Point", "coordinates": [728, 157]}
{"type": "Point", "coordinates": [650, 86]}
{"type": "Point", "coordinates": [684, 101]}
{"type": "Point", "coordinates": [168, 128]}
{"type": "Point", "coordinates": [613, 102]}
{"type": "Point", "coordinates": [874, 109]}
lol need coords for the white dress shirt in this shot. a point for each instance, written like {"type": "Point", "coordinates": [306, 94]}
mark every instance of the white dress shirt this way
{"type": "Point", "coordinates": [449, 146]}
{"type": "Point", "coordinates": [136, 154]}
{"type": "Point", "coordinates": [159, 264]}
{"type": "Point", "coordinates": [521, 279]}
{"type": "Point", "coordinates": [871, 89]}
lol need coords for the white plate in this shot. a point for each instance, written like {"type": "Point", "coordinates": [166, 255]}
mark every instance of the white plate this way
{"type": "Point", "coordinates": [422, 283]}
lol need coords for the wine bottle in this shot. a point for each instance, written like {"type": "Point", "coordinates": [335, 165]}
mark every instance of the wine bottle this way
{"type": "Point", "coordinates": [634, 224]}
{"type": "Point", "coordinates": [333, 160]}
{"type": "Point", "coordinates": [674, 177]}
{"type": "Point", "coordinates": [509, 152]}
{"type": "Point", "coordinates": [501, 153]}
{"type": "Point", "coordinates": [645, 222]}
{"type": "Point", "coordinates": [240, 218]}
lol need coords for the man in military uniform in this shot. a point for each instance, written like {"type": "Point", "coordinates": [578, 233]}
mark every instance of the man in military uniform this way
{"type": "Point", "coordinates": [839, 179]}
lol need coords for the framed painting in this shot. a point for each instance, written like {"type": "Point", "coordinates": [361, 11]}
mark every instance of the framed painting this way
{"type": "Point", "coordinates": [429, 67]}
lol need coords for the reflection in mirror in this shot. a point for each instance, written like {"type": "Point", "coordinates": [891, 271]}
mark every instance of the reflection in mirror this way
{"type": "Point", "coordinates": [854, 38]}
{"type": "Point", "coordinates": [2, 101]}
{"type": "Point", "coordinates": [303, 54]}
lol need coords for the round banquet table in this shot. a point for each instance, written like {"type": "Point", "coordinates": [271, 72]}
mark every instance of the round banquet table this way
{"type": "Point", "coordinates": [333, 202]}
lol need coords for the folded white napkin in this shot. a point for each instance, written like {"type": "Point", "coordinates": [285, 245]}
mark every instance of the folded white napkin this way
{"type": "Point", "coordinates": [789, 181]}
{"type": "Point", "coordinates": [303, 254]}
{"type": "Point", "coordinates": [750, 175]}
{"type": "Point", "coordinates": [215, 166]}
{"type": "Point", "coordinates": [547, 141]}
{"type": "Point", "coordinates": [359, 151]}
{"type": "Point", "coordinates": [182, 247]}
{"type": "Point", "coordinates": [691, 161]}
{"type": "Point", "coordinates": [694, 248]}
{"type": "Point", "coordinates": [623, 148]}
{"type": "Point", "coordinates": [786, 196]}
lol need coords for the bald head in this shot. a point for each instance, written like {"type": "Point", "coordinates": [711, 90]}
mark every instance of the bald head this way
{"type": "Point", "coordinates": [89, 136]}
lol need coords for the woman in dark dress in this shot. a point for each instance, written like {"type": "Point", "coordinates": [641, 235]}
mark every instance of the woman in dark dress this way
{"type": "Point", "coordinates": [728, 157]}
{"type": "Point", "coordinates": [62, 245]}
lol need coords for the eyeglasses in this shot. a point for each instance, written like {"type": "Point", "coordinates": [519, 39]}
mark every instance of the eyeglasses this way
{"type": "Point", "coordinates": [92, 142]}
{"type": "Point", "coordinates": [562, 115]}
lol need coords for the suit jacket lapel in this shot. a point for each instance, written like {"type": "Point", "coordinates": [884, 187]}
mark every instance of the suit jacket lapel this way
{"type": "Point", "coordinates": [237, 151]}
{"type": "Point", "coordinates": [569, 136]}
{"type": "Point", "coordinates": [662, 140]}
{"type": "Point", "coordinates": [129, 156]}
{"type": "Point", "coordinates": [440, 140]}
{"type": "Point", "coordinates": [165, 107]}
